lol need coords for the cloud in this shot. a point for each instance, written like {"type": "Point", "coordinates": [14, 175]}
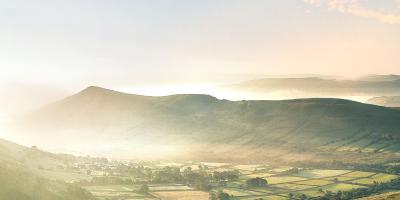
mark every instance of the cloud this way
{"type": "Point", "coordinates": [354, 7]}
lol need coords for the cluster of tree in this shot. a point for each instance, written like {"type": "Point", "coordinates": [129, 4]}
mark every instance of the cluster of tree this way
{"type": "Point", "coordinates": [140, 172]}
{"type": "Point", "coordinates": [220, 195]}
{"type": "Point", "coordinates": [226, 175]}
{"type": "Point", "coordinates": [291, 171]}
{"type": "Point", "coordinates": [137, 172]}
{"type": "Point", "coordinates": [200, 179]}
{"type": "Point", "coordinates": [168, 175]}
{"type": "Point", "coordinates": [292, 196]}
{"type": "Point", "coordinates": [106, 180]}
{"type": "Point", "coordinates": [144, 189]}
{"type": "Point", "coordinates": [256, 182]}
{"type": "Point", "coordinates": [70, 159]}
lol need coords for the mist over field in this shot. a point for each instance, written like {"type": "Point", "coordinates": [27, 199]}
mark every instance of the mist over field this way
{"type": "Point", "coordinates": [199, 100]}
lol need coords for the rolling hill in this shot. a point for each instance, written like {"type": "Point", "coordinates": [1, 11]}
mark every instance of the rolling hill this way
{"type": "Point", "coordinates": [203, 127]}
{"type": "Point", "coordinates": [388, 101]}
{"type": "Point", "coordinates": [380, 78]}
{"type": "Point", "coordinates": [321, 86]}
{"type": "Point", "coordinates": [21, 176]}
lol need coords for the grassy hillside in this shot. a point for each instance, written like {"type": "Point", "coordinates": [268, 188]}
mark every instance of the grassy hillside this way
{"type": "Point", "coordinates": [21, 179]}
{"type": "Point", "coordinates": [204, 122]}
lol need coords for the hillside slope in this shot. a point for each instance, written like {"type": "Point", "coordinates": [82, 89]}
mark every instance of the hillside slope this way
{"type": "Point", "coordinates": [197, 123]}
{"type": "Point", "coordinates": [21, 180]}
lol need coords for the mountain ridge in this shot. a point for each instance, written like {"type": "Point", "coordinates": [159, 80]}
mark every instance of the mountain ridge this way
{"type": "Point", "coordinates": [203, 121]}
{"type": "Point", "coordinates": [317, 86]}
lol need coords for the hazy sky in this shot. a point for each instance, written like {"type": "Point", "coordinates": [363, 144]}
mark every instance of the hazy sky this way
{"type": "Point", "coordinates": [148, 42]}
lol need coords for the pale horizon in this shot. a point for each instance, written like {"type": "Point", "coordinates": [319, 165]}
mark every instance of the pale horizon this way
{"type": "Point", "coordinates": [138, 43]}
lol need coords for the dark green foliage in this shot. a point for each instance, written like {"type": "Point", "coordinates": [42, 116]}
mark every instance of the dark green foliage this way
{"type": "Point", "coordinates": [257, 182]}
{"type": "Point", "coordinates": [168, 175]}
{"type": "Point", "coordinates": [213, 196]}
{"type": "Point", "coordinates": [226, 175]}
{"type": "Point", "coordinates": [197, 179]}
{"type": "Point", "coordinates": [291, 171]}
{"type": "Point", "coordinates": [144, 189]}
{"type": "Point", "coordinates": [220, 195]}
{"type": "Point", "coordinates": [224, 196]}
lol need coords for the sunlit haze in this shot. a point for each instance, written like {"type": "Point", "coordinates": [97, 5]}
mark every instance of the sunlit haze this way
{"type": "Point", "coordinates": [53, 49]}
{"type": "Point", "coordinates": [199, 99]}
{"type": "Point", "coordinates": [122, 44]}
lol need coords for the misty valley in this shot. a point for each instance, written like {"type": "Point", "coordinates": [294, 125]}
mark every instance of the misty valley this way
{"type": "Point", "coordinates": [199, 100]}
{"type": "Point", "coordinates": [44, 175]}
{"type": "Point", "coordinates": [184, 147]}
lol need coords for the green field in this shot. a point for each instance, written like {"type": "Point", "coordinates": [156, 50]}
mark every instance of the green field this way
{"type": "Point", "coordinates": [318, 173]}
{"type": "Point", "coordinates": [311, 182]}
{"type": "Point", "coordinates": [377, 178]}
{"type": "Point", "coordinates": [359, 174]}
{"type": "Point", "coordinates": [316, 182]}
{"type": "Point", "coordinates": [341, 187]}
{"type": "Point", "coordinates": [114, 192]}
{"type": "Point", "coordinates": [284, 179]}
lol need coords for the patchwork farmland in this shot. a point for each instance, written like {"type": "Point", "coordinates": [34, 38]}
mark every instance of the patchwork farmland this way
{"type": "Point", "coordinates": [283, 183]}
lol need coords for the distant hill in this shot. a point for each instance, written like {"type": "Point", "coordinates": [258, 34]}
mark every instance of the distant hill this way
{"type": "Point", "coordinates": [19, 98]}
{"type": "Point", "coordinates": [203, 127]}
{"type": "Point", "coordinates": [21, 179]}
{"type": "Point", "coordinates": [388, 101]}
{"type": "Point", "coordinates": [374, 85]}
{"type": "Point", "coordinates": [380, 78]}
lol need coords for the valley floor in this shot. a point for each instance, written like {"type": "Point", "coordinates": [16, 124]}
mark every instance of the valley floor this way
{"type": "Point", "coordinates": [284, 182]}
